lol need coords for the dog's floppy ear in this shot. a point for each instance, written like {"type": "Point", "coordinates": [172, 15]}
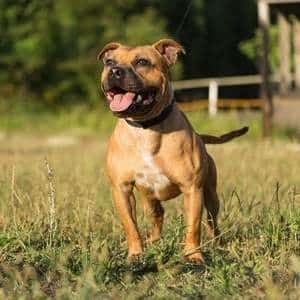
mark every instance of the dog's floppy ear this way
{"type": "Point", "coordinates": [106, 48]}
{"type": "Point", "coordinates": [169, 49]}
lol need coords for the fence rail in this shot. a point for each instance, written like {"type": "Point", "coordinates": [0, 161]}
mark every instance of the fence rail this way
{"type": "Point", "coordinates": [221, 81]}
{"type": "Point", "coordinates": [222, 103]}
{"type": "Point", "coordinates": [213, 90]}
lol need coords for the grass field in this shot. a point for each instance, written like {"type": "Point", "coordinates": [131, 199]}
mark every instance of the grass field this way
{"type": "Point", "coordinates": [61, 236]}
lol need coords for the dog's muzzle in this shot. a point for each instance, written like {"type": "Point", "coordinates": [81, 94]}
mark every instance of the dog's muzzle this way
{"type": "Point", "coordinates": [126, 93]}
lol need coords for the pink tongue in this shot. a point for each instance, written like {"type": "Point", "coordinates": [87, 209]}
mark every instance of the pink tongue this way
{"type": "Point", "coordinates": [121, 102]}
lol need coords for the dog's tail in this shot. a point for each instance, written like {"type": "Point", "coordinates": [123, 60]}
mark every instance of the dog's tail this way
{"type": "Point", "coordinates": [210, 139]}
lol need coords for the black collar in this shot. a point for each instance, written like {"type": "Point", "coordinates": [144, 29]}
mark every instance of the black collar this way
{"type": "Point", "coordinates": [148, 123]}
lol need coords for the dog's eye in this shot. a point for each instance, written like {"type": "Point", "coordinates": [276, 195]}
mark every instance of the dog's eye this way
{"type": "Point", "coordinates": [142, 62]}
{"type": "Point", "coordinates": [109, 62]}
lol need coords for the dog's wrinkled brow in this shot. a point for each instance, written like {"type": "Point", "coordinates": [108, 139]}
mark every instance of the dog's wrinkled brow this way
{"type": "Point", "coordinates": [137, 57]}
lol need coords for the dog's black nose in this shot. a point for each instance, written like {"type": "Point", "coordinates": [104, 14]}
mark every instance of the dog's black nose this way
{"type": "Point", "coordinates": [117, 72]}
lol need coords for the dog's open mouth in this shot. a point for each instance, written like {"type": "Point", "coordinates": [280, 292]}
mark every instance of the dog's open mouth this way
{"type": "Point", "coordinates": [120, 100]}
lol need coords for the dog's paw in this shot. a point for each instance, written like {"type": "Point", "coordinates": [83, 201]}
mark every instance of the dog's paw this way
{"type": "Point", "coordinates": [135, 257]}
{"type": "Point", "coordinates": [194, 258]}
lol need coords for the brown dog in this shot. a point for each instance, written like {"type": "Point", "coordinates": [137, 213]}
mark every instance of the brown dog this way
{"type": "Point", "coordinates": [153, 147]}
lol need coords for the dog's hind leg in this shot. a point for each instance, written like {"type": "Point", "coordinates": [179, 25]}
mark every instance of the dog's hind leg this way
{"type": "Point", "coordinates": [155, 211]}
{"type": "Point", "coordinates": [211, 199]}
{"type": "Point", "coordinates": [132, 202]}
{"type": "Point", "coordinates": [211, 202]}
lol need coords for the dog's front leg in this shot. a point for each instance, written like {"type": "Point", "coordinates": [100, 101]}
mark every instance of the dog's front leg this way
{"type": "Point", "coordinates": [193, 204]}
{"type": "Point", "coordinates": [125, 204]}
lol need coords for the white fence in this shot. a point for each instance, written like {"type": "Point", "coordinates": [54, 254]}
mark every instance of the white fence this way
{"type": "Point", "coordinates": [213, 86]}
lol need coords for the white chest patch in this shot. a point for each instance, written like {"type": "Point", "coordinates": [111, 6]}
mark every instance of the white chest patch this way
{"type": "Point", "coordinates": [150, 176]}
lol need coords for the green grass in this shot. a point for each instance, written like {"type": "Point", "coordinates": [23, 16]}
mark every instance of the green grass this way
{"type": "Point", "coordinates": [82, 120]}
{"type": "Point", "coordinates": [78, 120]}
{"type": "Point", "coordinates": [61, 236]}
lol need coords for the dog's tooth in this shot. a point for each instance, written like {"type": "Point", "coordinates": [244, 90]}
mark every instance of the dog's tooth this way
{"type": "Point", "coordinates": [139, 98]}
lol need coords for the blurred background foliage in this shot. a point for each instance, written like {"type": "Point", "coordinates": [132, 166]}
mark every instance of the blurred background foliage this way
{"type": "Point", "coordinates": [252, 47]}
{"type": "Point", "coordinates": [48, 48]}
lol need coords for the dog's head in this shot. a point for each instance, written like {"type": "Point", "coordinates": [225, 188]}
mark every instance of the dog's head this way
{"type": "Point", "coordinates": [135, 80]}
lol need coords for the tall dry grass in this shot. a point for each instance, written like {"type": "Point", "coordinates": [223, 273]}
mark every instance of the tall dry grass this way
{"type": "Point", "coordinates": [61, 237]}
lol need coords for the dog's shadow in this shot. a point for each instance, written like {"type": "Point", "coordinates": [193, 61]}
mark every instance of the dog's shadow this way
{"type": "Point", "coordinates": [140, 266]}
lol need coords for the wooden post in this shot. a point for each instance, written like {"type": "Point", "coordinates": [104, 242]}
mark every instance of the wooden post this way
{"type": "Point", "coordinates": [213, 98]}
{"type": "Point", "coordinates": [264, 21]}
{"type": "Point", "coordinates": [296, 35]}
{"type": "Point", "coordinates": [285, 75]}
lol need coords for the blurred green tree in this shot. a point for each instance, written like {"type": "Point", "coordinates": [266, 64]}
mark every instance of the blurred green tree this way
{"type": "Point", "coordinates": [252, 48]}
{"type": "Point", "coordinates": [48, 48]}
